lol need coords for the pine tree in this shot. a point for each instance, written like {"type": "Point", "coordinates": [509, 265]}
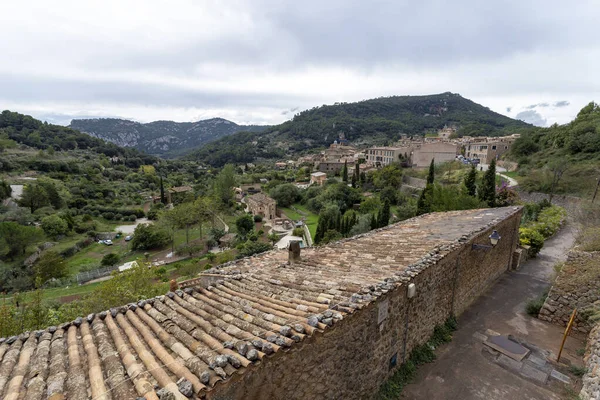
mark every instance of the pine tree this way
{"type": "Point", "coordinates": [488, 185]}
{"type": "Point", "coordinates": [470, 181]}
{"type": "Point", "coordinates": [424, 202]}
{"type": "Point", "coordinates": [162, 192]}
{"type": "Point", "coordinates": [320, 230]}
{"type": "Point", "coordinates": [345, 172]}
{"type": "Point", "coordinates": [384, 216]}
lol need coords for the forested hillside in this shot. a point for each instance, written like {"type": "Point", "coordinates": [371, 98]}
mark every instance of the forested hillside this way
{"type": "Point", "coordinates": [376, 121]}
{"type": "Point", "coordinates": [571, 150]}
{"type": "Point", "coordinates": [163, 138]}
{"type": "Point", "coordinates": [18, 129]}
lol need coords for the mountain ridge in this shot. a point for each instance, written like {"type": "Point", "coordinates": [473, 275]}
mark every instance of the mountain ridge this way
{"type": "Point", "coordinates": [369, 122]}
{"type": "Point", "coordinates": [162, 138]}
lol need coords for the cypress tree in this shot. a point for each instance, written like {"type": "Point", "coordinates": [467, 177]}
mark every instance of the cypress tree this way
{"type": "Point", "coordinates": [424, 202]}
{"type": "Point", "coordinates": [431, 175]}
{"type": "Point", "coordinates": [488, 185]}
{"type": "Point", "coordinates": [345, 172]}
{"type": "Point", "coordinates": [384, 216]}
{"type": "Point", "coordinates": [470, 181]}
{"type": "Point", "coordinates": [162, 192]}
{"type": "Point", "coordinates": [373, 221]}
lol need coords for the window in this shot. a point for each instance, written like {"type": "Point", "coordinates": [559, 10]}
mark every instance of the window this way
{"type": "Point", "coordinates": [493, 147]}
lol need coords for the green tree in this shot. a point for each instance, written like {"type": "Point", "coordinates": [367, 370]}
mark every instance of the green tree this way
{"type": "Point", "coordinates": [54, 226]}
{"type": "Point", "coordinates": [149, 236]}
{"type": "Point", "coordinates": [273, 238]}
{"type": "Point", "coordinates": [487, 190]}
{"type": "Point", "coordinates": [250, 248]}
{"type": "Point", "coordinates": [110, 259]}
{"type": "Point", "coordinates": [34, 196]}
{"type": "Point", "coordinates": [431, 173]}
{"type": "Point", "coordinates": [373, 221]}
{"type": "Point", "coordinates": [15, 238]}
{"type": "Point", "coordinates": [390, 175]}
{"type": "Point", "coordinates": [224, 184]}
{"type": "Point", "coordinates": [384, 215]}
{"type": "Point", "coordinates": [51, 265]}
{"type": "Point", "coordinates": [244, 224]}
{"type": "Point", "coordinates": [345, 172]}
{"type": "Point", "coordinates": [470, 181]}
{"type": "Point", "coordinates": [390, 194]}
{"type": "Point", "coordinates": [286, 194]}
{"type": "Point", "coordinates": [5, 190]}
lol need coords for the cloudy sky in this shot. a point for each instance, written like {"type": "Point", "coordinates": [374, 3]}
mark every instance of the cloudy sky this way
{"type": "Point", "coordinates": [257, 61]}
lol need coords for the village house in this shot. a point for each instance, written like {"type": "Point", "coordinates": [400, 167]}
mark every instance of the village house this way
{"type": "Point", "coordinates": [487, 149]}
{"type": "Point", "coordinates": [441, 152]}
{"type": "Point", "coordinates": [382, 156]}
{"type": "Point", "coordinates": [296, 324]}
{"type": "Point", "coordinates": [331, 167]}
{"type": "Point", "coordinates": [263, 205]}
{"type": "Point", "coordinates": [318, 178]}
{"type": "Point", "coordinates": [177, 194]}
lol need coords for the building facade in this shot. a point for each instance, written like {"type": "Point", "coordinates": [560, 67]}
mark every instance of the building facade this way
{"type": "Point", "coordinates": [382, 156]}
{"type": "Point", "coordinates": [263, 205]}
{"type": "Point", "coordinates": [488, 149]}
{"type": "Point", "coordinates": [318, 178]}
{"type": "Point", "coordinates": [441, 152]}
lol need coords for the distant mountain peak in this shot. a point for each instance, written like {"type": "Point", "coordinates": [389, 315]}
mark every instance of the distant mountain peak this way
{"type": "Point", "coordinates": [163, 138]}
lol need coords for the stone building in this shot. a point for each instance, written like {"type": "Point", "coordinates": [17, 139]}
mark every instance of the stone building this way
{"type": "Point", "coordinates": [318, 178]}
{"type": "Point", "coordinates": [487, 149]}
{"type": "Point", "coordinates": [382, 156]}
{"type": "Point", "coordinates": [441, 152]}
{"type": "Point", "coordinates": [263, 205]}
{"type": "Point", "coordinates": [321, 323]}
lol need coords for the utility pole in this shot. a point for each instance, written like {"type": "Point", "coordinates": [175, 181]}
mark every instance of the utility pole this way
{"type": "Point", "coordinates": [596, 191]}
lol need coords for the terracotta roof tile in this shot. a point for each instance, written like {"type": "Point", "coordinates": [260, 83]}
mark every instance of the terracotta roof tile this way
{"type": "Point", "coordinates": [204, 334]}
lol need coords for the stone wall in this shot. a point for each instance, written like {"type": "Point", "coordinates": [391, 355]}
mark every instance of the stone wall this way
{"type": "Point", "coordinates": [414, 182]}
{"type": "Point", "coordinates": [576, 286]}
{"type": "Point", "coordinates": [591, 380]}
{"type": "Point", "coordinates": [352, 360]}
{"type": "Point", "coordinates": [570, 203]}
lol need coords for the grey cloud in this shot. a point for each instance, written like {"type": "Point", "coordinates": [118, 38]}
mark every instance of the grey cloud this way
{"type": "Point", "coordinates": [54, 90]}
{"type": "Point", "coordinates": [532, 106]}
{"type": "Point", "coordinates": [508, 109]}
{"type": "Point", "coordinates": [562, 103]}
{"type": "Point", "coordinates": [532, 117]}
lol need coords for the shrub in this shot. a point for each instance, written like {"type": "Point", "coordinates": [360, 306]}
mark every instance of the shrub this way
{"type": "Point", "coordinates": [258, 218]}
{"type": "Point", "coordinates": [54, 226]}
{"type": "Point", "coordinates": [108, 215]}
{"type": "Point", "coordinates": [110, 259]}
{"type": "Point", "coordinates": [298, 232]}
{"type": "Point", "coordinates": [549, 220]}
{"type": "Point", "coordinates": [532, 238]}
{"type": "Point", "coordinates": [534, 306]}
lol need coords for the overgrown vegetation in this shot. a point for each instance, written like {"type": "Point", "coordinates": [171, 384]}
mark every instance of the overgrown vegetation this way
{"type": "Point", "coordinates": [540, 222]}
{"type": "Point", "coordinates": [425, 353]}
{"type": "Point", "coordinates": [534, 306]}
{"type": "Point", "coordinates": [561, 159]}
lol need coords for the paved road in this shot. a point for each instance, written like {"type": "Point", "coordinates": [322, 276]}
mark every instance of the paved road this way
{"type": "Point", "coordinates": [462, 371]}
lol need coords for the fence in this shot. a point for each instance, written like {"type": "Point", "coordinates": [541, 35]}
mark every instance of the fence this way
{"type": "Point", "coordinates": [87, 276]}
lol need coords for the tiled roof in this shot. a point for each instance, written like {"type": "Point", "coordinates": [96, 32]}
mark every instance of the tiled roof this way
{"type": "Point", "coordinates": [261, 198]}
{"type": "Point", "coordinates": [189, 341]}
{"type": "Point", "coordinates": [180, 189]}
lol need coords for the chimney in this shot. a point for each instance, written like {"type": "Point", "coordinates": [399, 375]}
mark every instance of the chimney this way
{"type": "Point", "coordinates": [294, 251]}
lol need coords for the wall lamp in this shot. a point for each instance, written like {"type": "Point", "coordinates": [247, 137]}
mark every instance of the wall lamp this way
{"type": "Point", "coordinates": [494, 238]}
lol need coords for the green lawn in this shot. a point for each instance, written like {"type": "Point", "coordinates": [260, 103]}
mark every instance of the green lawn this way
{"type": "Point", "coordinates": [311, 218]}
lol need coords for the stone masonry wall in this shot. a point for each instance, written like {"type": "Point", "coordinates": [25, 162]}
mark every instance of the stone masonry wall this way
{"type": "Point", "coordinates": [352, 360]}
{"type": "Point", "coordinates": [576, 286]}
{"type": "Point", "coordinates": [591, 380]}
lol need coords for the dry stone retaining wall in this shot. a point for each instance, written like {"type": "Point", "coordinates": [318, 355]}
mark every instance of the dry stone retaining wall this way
{"type": "Point", "coordinates": [576, 286]}
{"type": "Point", "coordinates": [354, 359]}
{"type": "Point", "coordinates": [591, 380]}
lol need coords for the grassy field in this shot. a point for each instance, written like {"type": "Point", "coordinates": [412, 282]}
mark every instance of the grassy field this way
{"type": "Point", "coordinates": [311, 218]}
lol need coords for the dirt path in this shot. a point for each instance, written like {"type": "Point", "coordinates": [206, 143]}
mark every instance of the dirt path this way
{"type": "Point", "coordinates": [462, 371]}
